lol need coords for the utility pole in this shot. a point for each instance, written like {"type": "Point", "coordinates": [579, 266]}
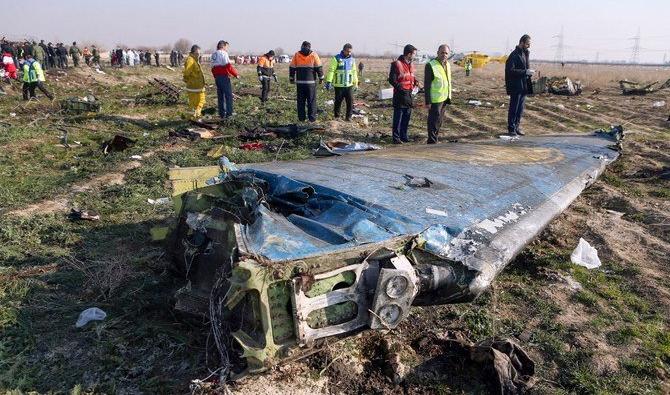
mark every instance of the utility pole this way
{"type": "Point", "coordinates": [635, 55]}
{"type": "Point", "coordinates": [560, 47]}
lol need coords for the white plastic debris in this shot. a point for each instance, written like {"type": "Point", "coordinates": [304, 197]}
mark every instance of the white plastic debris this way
{"type": "Point", "coordinates": [163, 200]}
{"type": "Point", "coordinates": [99, 71]}
{"type": "Point", "coordinates": [585, 255]}
{"type": "Point", "coordinates": [137, 157]}
{"type": "Point", "coordinates": [90, 314]}
{"type": "Point", "coordinates": [508, 137]}
{"type": "Point", "coordinates": [367, 81]}
{"type": "Point", "coordinates": [476, 103]}
{"type": "Point", "coordinates": [330, 102]}
{"type": "Point", "coordinates": [386, 94]}
{"type": "Point", "coordinates": [561, 106]}
{"type": "Point", "coordinates": [12, 114]}
{"type": "Point", "coordinates": [660, 103]}
{"type": "Point", "coordinates": [441, 213]}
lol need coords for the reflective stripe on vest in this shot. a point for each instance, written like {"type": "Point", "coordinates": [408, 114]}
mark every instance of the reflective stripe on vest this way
{"type": "Point", "coordinates": [406, 76]}
{"type": "Point", "coordinates": [440, 88]}
{"type": "Point", "coordinates": [344, 75]}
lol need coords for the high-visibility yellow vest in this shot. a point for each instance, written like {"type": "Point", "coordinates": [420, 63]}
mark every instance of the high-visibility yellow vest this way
{"type": "Point", "coordinates": [32, 71]}
{"type": "Point", "coordinates": [440, 88]}
{"type": "Point", "coordinates": [342, 72]}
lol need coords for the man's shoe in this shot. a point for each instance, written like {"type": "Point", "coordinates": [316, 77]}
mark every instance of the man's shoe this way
{"type": "Point", "coordinates": [512, 134]}
{"type": "Point", "coordinates": [398, 142]}
{"type": "Point", "coordinates": [520, 132]}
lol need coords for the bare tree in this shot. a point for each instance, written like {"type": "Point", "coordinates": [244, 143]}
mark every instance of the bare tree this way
{"type": "Point", "coordinates": [279, 51]}
{"type": "Point", "coordinates": [183, 45]}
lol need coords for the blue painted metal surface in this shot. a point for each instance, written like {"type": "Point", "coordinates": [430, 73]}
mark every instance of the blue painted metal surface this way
{"type": "Point", "coordinates": [478, 190]}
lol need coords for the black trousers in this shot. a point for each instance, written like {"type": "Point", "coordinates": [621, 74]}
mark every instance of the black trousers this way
{"type": "Point", "coordinates": [265, 89]}
{"type": "Point", "coordinates": [306, 95]}
{"type": "Point", "coordinates": [346, 94]}
{"type": "Point", "coordinates": [29, 89]}
{"type": "Point", "coordinates": [401, 118]}
{"type": "Point", "coordinates": [435, 117]}
{"type": "Point", "coordinates": [516, 103]}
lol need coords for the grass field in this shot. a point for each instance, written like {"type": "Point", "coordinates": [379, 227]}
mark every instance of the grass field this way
{"type": "Point", "coordinates": [609, 335]}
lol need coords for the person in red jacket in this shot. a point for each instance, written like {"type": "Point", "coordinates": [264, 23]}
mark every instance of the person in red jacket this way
{"type": "Point", "coordinates": [8, 65]}
{"type": "Point", "coordinates": [223, 69]}
{"type": "Point", "coordinates": [402, 76]}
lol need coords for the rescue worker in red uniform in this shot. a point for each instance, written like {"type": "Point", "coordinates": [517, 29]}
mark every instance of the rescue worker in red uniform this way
{"type": "Point", "coordinates": [402, 77]}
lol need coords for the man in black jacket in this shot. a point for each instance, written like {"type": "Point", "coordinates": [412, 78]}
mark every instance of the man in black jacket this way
{"type": "Point", "coordinates": [518, 83]}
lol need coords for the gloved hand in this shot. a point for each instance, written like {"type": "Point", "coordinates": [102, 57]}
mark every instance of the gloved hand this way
{"type": "Point", "coordinates": [320, 80]}
{"type": "Point", "coordinates": [260, 78]}
{"type": "Point", "coordinates": [530, 72]}
{"type": "Point", "coordinates": [291, 80]}
{"type": "Point", "coordinates": [449, 101]}
{"type": "Point", "coordinates": [328, 86]}
{"type": "Point", "coordinates": [274, 77]}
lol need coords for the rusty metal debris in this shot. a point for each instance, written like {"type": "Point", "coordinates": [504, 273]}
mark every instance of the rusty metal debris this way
{"type": "Point", "coordinates": [163, 92]}
{"type": "Point", "coordinates": [280, 256]}
{"type": "Point", "coordinates": [635, 88]}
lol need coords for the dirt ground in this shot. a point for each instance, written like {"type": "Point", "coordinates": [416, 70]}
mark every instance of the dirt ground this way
{"type": "Point", "coordinates": [589, 331]}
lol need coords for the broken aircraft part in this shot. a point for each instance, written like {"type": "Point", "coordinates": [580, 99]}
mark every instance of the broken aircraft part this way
{"type": "Point", "coordinates": [283, 255]}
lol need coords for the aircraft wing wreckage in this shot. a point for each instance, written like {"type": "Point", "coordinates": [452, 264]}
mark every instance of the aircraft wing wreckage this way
{"type": "Point", "coordinates": [283, 255]}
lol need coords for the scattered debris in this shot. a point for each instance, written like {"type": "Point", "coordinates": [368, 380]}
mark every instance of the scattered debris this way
{"type": "Point", "coordinates": [563, 86]}
{"type": "Point", "coordinates": [193, 134]}
{"type": "Point", "coordinates": [508, 137]}
{"type": "Point", "coordinates": [585, 255]}
{"type": "Point", "coordinates": [136, 157]}
{"type": "Point", "coordinates": [330, 102]}
{"type": "Point", "coordinates": [635, 88]}
{"type": "Point", "coordinates": [660, 103]}
{"type": "Point", "coordinates": [163, 92]}
{"type": "Point", "coordinates": [500, 364]}
{"type": "Point", "coordinates": [252, 146]}
{"type": "Point", "coordinates": [417, 182]}
{"type": "Point", "coordinates": [86, 215]}
{"type": "Point", "coordinates": [78, 105]}
{"type": "Point", "coordinates": [475, 103]}
{"type": "Point", "coordinates": [338, 147]}
{"type": "Point", "coordinates": [432, 211]}
{"type": "Point", "coordinates": [88, 315]}
{"type": "Point", "coordinates": [159, 201]}
{"type": "Point", "coordinates": [117, 144]}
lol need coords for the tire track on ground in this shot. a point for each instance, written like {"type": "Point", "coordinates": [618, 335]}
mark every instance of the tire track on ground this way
{"type": "Point", "coordinates": [473, 121]}
{"type": "Point", "coordinates": [557, 116]}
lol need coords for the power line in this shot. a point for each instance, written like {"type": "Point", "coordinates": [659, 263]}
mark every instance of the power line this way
{"type": "Point", "coordinates": [560, 47]}
{"type": "Point", "coordinates": [635, 55]}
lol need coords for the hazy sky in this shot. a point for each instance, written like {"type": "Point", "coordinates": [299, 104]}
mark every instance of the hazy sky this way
{"type": "Point", "coordinates": [602, 28]}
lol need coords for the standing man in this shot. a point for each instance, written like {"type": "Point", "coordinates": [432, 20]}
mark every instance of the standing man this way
{"type": "Point", "coordinates": [33, 77]}
{"type": "Point", "coordinates": [195, 83]}
{"type": "Point", "coordinates": [222, 70]}
{"type": "Point", "coordinates": [38, 53]}
{"type": "Point", "coordinates": [147, 58]}
{"type": "Point", "coordinates": [304, 69]}
{"type": "Point", "coordinates": [343, 70]}
{"type": "Point", "coordinates": [51, 56]}
{"type": "Point", "coordinates": [518, 84]}
{"type": "Point", "coordinates": [87, 56]}
{"type": "Point", "coordinates": [157, 56]}
{"type": "Point", "coordinates": [265, 69]}
{"type": "Point", "coordinates": [402, 76]}
{"type": "Point", "coordinates": [361, 67]}
{"type": "Point", "coordinates": [75, 52]}
{"type": "Point", "coordinates": [468, 67]}
{"type": "Point", "coordinates": [96, 55]}
{"type": "Point", "coordinates": [437, 87]}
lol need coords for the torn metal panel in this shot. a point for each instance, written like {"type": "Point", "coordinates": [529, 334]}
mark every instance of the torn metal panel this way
{"type": "Point", "coordinates": [327, 247]}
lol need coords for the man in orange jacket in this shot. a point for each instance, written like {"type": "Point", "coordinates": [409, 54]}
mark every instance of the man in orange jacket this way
{"type": "Point", "coordinates": [265, 70]}
{"type": "Point", "coordinates": [304, 69]}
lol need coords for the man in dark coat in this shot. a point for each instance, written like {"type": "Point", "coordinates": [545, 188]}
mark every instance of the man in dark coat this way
{"type": "Point", "coordinates": [518, 83]}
